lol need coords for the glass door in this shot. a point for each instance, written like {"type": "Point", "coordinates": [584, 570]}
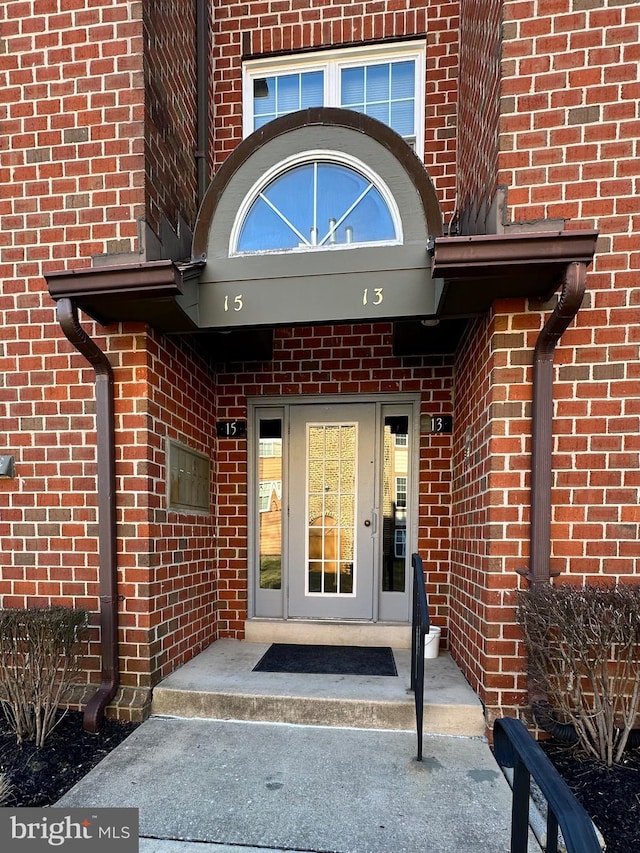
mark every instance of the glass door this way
{"type": "Point", "coordinates": [332, 518]}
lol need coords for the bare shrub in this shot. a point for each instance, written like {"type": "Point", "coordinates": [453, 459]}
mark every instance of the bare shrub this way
{"type": "Point", "coordinates": [39, 662]}
{"type": "Point", "coordinates": [583, 645]}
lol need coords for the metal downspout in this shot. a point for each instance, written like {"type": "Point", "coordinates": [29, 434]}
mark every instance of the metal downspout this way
{"type": "Point", "coordinates": [202, 73]}
{"type": "Point", "coordinates": [105, 451]}
{"type": "Point", "coordinates": [571, 296]}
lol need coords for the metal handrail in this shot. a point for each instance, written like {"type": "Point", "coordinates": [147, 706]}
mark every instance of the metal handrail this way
{"type": "Point", "coordinates": [419, 629]}
{"type": "Point", "coordinates": [515, 747]}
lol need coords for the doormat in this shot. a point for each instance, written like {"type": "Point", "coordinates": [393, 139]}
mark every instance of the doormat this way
{"type": "Point", "coordinates": [328, 660]}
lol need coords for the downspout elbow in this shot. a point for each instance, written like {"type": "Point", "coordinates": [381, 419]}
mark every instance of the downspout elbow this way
{"type": "Point", "coordinates": [105, 451]}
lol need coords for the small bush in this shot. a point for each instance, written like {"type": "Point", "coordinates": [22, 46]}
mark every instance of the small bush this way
{"type": "Point", "coordinates": [39, 662]}
{"type": "Point", "coordinates": [583, 645]}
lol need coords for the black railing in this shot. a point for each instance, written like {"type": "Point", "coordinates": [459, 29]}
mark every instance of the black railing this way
{"type": "Point", "coordinates": [515, 747]}
{"type": "Point", "coordinates": [419, 629]}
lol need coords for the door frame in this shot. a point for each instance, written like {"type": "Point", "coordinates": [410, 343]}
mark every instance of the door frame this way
{"type": "Point", "coordinates": [273, 604]}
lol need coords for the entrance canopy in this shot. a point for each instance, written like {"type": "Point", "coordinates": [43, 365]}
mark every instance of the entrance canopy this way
{"type": "Point", "coordinates": [324, 215]}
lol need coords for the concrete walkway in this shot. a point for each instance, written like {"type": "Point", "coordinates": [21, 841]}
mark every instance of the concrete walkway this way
{"type": "Point", "coordinates": [207, 786]}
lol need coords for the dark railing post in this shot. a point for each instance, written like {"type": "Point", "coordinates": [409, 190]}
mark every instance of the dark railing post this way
{"type": "Point", "coordinates": [419, 628]}
{"type": "Point", "coordinates": [520, 808]}
{"type": "Point", "coordinates": [515, 747]}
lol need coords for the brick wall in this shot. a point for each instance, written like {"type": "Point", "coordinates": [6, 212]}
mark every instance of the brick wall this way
{"type": "Point", "coordinates": [165, 557]}
{"type": "Point", "coordinates": [332, 360]}
{"type": "Point", "coordinates": [73, 187]}
{"type": "Point", "coordinates": [170, 115]}
{"type": "Point", "coordinates": [568, 150]}
{"type": "Point", "coordinates": [478, 111]}
{"type": "Point", "coordinates": [491, 497]}
{"type": "Point", "coordinates": [581, 163]}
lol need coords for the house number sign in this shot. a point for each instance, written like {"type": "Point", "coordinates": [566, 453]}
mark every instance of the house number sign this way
{"type": "Point", "coordinates": [439, 424]}
{"type": "Point", "coordinates": [231, 429]}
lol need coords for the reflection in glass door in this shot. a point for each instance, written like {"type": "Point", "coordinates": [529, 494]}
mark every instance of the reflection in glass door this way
{"type": "Point", "coordinates": [270, 503]}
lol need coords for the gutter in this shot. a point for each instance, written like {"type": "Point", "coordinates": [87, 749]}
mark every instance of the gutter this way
{"type": "Point", "coordinates": [105, 450]}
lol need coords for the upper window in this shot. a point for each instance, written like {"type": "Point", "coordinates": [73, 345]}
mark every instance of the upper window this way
{"type": "Point", "coordinates": [312, 201]}
{"type": "Point", "coordinates": [383, 81]}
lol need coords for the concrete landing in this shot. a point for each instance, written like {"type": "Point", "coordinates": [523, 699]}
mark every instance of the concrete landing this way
{"type": "Point", "coordinates": [210, 786]}
{"type": "Point", "coordinates": [220, 684]}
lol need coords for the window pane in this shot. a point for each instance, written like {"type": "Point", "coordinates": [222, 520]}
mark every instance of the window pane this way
{"type": "Point", "coordinates": [402, 80]}
{"type": "Point", "coordinates": [288, 93]}
{"type": "Point", "coordinates": [352, 88]}
{"type": "Point", "coordinates": [402, 118]}
{"type": "Point", "coordinates": [377, 83]}
{"type": "Point", "coordinates": [264, 229]}
{"type": "Point", "coordinates": [270, 503]}
{"type": "Point", "coordinates": [379, 111]}
{"type": "Point", "coordinates": [278, 95]}
{"type": "Point", "coordinates": [384, 91]}
{"type": "Point", "coordinates": [292, 195]}
{"type": "Point", "coordinates": [395, 489]}
{"type": "Point", "coordinates": [312, 89]}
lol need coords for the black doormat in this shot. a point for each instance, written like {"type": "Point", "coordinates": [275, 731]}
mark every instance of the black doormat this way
{"type": "Point", "coordinates": [328, 660]}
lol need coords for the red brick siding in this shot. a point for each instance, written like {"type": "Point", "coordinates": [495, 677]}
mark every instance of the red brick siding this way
{"type": "Point", "coordinates": [479, 108]}
{"type": "Point", "coordinates": [568, 149]}
{"type": "Point", "coordinates": [73, 181]}
{"type": "Point", "coordinates": [332, 360]}
{"type": "Point", "coordinates": [570, 130]}
{"type": "Point", "coordinates": [73, 108]}
{"type": "Point", "coordinates": [166, 557]}
{"type": "Point", "coordinates": [171, 113]}
{"type": "Point", "coordinates": [491, 500]}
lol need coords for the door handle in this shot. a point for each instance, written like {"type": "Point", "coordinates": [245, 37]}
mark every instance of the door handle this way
{"type": "Point", "coordinates": [372, 521]}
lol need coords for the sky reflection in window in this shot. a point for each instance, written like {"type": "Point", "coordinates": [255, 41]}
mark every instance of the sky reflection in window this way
{"type": "Point", "coordinates": [318, 204]}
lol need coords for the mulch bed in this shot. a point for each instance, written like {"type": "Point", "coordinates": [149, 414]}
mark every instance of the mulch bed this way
{"type": "Point", "coordinates": [611, 796]}
{"type": "Point", "coordinates": [39, 777]}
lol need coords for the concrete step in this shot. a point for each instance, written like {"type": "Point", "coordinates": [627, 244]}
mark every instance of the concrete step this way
{"type": "Point", "coordinates": [220, 684]}
{"type": "Point", "coordinates": [328, 633]}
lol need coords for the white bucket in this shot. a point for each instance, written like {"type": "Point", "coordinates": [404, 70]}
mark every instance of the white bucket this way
{"type": "Point", "coordinates": [432, 642]}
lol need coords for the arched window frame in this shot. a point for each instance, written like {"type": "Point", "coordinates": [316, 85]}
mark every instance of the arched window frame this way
{"type": "Point", "coordinates": [339, 158]}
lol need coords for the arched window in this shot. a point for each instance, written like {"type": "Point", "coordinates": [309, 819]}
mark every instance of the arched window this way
{"type": "Point", "coordinates": [316, 201]}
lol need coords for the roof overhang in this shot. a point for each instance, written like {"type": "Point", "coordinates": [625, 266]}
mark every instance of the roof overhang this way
{"type": "Point", "coordinates": [153, 293]}
{"type": "Point", "coordinates": [477, 270]}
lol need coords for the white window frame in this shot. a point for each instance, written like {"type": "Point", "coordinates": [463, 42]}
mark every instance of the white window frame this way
{"type": "Point", "coordinates": [404, 481]}
{"type": "Point", "coordinates": [400, 543]}
{"type": "Point", "coordinates": [300, 159]}
{"type": "Point", "coordinates": [331, 62]}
